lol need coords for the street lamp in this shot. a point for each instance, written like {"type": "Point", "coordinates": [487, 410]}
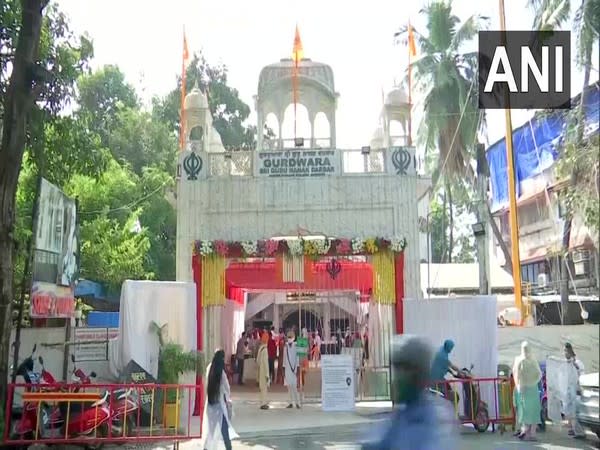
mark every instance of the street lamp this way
{"type": "Point", "coordinates": [426, 224]}
{"type": "Point", "coordinates": [479, 231]}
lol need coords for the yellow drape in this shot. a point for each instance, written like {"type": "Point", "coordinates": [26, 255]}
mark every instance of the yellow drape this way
{"type": "Point", "coordinates": [384, 277]}
{"type": "Point", "coordinates": [213, 280]}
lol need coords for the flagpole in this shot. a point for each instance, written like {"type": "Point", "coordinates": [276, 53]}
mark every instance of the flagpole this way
{"type": "Point", "coordinates": [409, 91]}
{"type": "Point", "coordinates": [183, 89]}
{"type": "Point", "coordinates": [295, 87]}
{"type": "Point", "coordinates": [510, 162]}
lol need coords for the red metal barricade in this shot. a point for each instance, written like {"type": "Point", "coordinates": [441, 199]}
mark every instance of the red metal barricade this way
{"type": "Point", "coordinates": [100, 413]}
{"type": "Point", "coordinates": [479, 401]}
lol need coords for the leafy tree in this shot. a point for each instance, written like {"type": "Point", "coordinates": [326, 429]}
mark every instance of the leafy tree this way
{"type": "Point", "coordinates": [551, 15]}
{"type": "Point", "coordinates": [446, 77]}
{"type": "Point", "coordinates": [112, 249]}
{"type": "Point", "coordinates": [40, 60]}
{"type": "Point", "coordinates": [228, 110]}
{"type": "Point", "coordinates": [141, 141]}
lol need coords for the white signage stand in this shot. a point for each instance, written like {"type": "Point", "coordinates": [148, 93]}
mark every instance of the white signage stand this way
{"type": "Point", "coordinates": [337, 383]}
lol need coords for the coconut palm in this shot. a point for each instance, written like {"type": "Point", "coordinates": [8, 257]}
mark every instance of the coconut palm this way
{"type": "Point", "coordinates": [446, 79]}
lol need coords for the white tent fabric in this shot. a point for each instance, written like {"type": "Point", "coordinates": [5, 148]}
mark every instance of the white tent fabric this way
{"type": "Point", "coordinates": [167, 303]}
{"type": "Point", "coordinates": [470, 322]}
{"type": "Point", "coordinates": [233, 320]}
{"type": "Point", "coordinates": [381, 321]}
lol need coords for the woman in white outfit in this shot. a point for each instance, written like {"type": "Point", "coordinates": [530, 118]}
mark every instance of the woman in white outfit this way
{"type": "Point", "coordinates": [290, 364]}
{"type": "Point", "coordinates": [575, 370]}
{"type": "Point", "coordinates": [218, 405]}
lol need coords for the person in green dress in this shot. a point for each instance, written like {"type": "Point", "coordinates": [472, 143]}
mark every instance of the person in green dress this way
{"type": "Point", "coordinates": [527, 374]}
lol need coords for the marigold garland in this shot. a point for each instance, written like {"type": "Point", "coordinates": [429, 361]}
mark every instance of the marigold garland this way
{"type": "Point", "coordinates": [384, 277]}
{"type": "Point", "coordinates": [213, 280]}
{"type": "Point", "coordinates": [295, 247]}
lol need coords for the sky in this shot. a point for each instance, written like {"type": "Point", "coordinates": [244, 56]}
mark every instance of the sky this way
{"type": "Point", "coordinates": [144, 38]}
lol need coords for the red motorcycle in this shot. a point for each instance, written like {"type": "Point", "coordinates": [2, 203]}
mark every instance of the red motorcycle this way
{"type": "Point", "coordinates": [28, 426]}
{"type": "Point", "coordinates": [85, 419]}
{"type": "Point", "coordinates": [123, 405]}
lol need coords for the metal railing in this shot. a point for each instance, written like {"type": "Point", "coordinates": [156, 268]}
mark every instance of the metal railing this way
{"type": "Point", "coordinates": [101, 413]}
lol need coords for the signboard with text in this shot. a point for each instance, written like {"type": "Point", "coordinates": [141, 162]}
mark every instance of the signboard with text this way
{"type": "Point", "coordinates": [337, 383]}
{"type": "Point", "coordinates": [49, 300]}
{"type": "Point", "coordinates": [55, 255]}
{"type": "Point", "coordinates": [296, 163]}
{"type": "Point", "coordinates": [91, 344]}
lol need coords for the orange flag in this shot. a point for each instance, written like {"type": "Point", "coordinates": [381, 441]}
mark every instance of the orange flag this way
{"type": "Point", "coordinates": [185, 58]}
{"type": "Point", "coordinates": [412, 48]}
{"type": "Point", "coordinates": [298, 52]}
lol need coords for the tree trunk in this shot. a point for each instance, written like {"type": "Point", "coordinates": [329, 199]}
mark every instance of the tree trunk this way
{"type": "Point", "coordinates": [18, 101]}
{"type": "Point", "coordinates": [450, 222]}
{"type": "Point", "coordinates": [445, 238]}
{"type": "Point", "coordinates": [565, 274]}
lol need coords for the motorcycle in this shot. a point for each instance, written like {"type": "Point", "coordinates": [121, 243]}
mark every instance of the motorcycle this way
{"type": "Point", "coordinates": [475, 409]}
{"type": "Point", "coordinates": [28, 426]}
{"type": "Point", "coordinates": [85, 420]}
{"type": "Point", "coordinates": [123, 406]}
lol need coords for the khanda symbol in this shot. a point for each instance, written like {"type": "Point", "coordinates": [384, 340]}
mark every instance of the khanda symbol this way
{"type": "Point", "coordinates": [192, 164]}
{"type": "Point", "coordinates": [333, 268]}
{"type": "Point", "coordinates": [401, 161]}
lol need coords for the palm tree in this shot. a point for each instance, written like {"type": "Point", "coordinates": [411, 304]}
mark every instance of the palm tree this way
{"type": "Point", "coordinates": [551, 15]}
{"type": "Point", "coordinates": [446, 78]}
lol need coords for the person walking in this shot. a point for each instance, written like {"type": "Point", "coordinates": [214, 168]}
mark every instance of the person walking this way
{"type": "Point", "coordinates": [240, 353]}
{"type": "Point", "coordinates": [262, 362]}
{"type": "Point", "coordinates": [272, 352]}
{"type": "Point", "coordinates": [575, 370]}
{"type": "Point", "coordinates": [527, 374]}
{"type": "Point", "coordinates": [290, 364]}
{"type": "Point", "coordinates": [422, 421]}
{"type": "Point", "coordinates": [218, 405]}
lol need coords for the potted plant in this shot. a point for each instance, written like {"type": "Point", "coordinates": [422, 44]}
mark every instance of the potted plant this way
{"type": "Point", "coordinates": [173, 361]}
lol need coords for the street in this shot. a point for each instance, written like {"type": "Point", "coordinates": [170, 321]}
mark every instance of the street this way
{"type": "Point", "coordinates": [346, 437]}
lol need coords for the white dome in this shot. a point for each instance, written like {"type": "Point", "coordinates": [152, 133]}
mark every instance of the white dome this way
{"type": "Point", "coordinates": [396, 97]}
{"type": "Point", "coordinates": [378, 134]}
{"type": "Point", "coordinates": [195, 100]}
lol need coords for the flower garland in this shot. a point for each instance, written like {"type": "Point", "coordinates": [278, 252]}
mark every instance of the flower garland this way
{"type": "Point", "coordinates": [297, 247]}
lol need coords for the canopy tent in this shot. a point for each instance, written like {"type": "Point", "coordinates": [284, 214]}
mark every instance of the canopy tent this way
{"type": "Point", "coordinates": [264, 275]}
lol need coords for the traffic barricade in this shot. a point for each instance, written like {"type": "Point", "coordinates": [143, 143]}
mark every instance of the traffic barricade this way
{"type": "Point", "coordinates": [479, 401]}
{"type": "Point", "coordinates": [101, 413]}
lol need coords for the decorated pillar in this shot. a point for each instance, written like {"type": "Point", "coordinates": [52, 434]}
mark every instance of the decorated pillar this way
{"type": "Point", "coordinates": [399, 288]}
{"type": "Point", "coordinates": [197, 272]}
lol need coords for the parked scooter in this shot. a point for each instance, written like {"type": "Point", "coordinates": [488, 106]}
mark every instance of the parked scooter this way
{"type": "Point", "coordinates": [122, 403]}
{"type": "Point", "coordinates": [123, 406]}
{"type": "Point", "coordinates": [84, 419]}
{"type": "Point", "coordinates": [27, 426]}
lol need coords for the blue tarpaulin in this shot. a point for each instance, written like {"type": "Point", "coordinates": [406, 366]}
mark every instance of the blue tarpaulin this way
{"type": "Point", "coordinates": [87, 288]}
{"type": "Point", "coordinates": [98, 319]}
{"type": "Point", "coordinates": [536, 146]}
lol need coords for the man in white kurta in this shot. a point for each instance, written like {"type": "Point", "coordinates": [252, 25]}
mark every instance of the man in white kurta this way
{"type": "Point", "coordinates": [290, 364]}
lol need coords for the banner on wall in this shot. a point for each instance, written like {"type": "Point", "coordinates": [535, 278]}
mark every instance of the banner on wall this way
{"type": "Point", "coordinates": [55, 255]}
